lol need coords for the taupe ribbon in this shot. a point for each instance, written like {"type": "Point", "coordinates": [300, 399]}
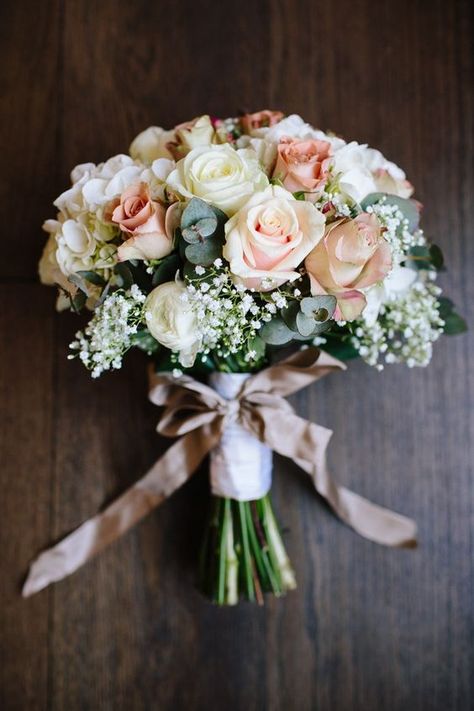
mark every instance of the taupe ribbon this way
{"type": "Point", "coordinates": [198, 415]}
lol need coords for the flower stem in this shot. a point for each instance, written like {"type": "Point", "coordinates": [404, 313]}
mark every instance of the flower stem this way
{"type": "Point", "coordinates": [243, 553]}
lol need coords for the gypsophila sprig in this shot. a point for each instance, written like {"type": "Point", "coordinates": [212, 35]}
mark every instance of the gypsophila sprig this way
{"type": "Point", "coordinates": [108, 335]}
{"type": "Point", "coordinates": [229, 316]}
{"type": "Point", "coordinates": [405, 331]}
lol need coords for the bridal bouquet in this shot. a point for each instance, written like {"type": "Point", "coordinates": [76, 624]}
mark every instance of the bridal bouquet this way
{"type": "Point", "coordinates": [243, 255]}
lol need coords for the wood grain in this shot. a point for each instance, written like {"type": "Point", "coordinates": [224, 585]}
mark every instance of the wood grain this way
{"type": "Point", "coordinates": [368, 627]}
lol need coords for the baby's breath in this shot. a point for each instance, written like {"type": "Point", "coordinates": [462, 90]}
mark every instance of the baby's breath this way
{"type": "Point", "coordinates": [405, 331]}
{"type": "Point", "coordinates": [109, 333]}
{"type": "Point", "coordinates": [396, 227]}
{"type": "Point", "coordinates": [229, 315]}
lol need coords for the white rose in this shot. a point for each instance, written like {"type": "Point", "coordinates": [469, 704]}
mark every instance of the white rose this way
{"type": "Point", "coordinates": [220, 175]}
{"type": "Point", "coordinates": [352, 164]}
{"type": "Point", "coordinates": [270, 237]}
{"type": "Point", "coordinates": [388, 177]}
{"type": "Point", "coordinates": [151, 144]}
{"type": "Point", "coordinates": [172, 321]}
{"type": "Point", "coordinates": [395, 285]}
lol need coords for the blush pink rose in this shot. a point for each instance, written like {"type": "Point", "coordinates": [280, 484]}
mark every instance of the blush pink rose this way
{"type": "Point", "coordinates": [143, 222]}
{"type": "Point", "coordinates": [353, 255]}
{"type": "Point", "coordinates": [260, 119]}
{"type": "Point", "coordinates": [302, 164]}
{"type": "Point", "coordinates": [269, 237]}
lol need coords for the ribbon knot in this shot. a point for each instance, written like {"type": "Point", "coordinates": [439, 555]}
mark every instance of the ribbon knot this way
{"type": "Point", "coordinates": [198, 415]}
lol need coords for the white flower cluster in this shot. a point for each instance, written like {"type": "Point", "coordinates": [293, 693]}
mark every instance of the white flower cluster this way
{"type": "Point", "coordinates": [108, 335]}
{"type": "Point", "coordinates": [228, 316]}
{"type": "Point", "coordinates": [397, 230]}
{"type": "Point", "coordinates": [405, 331]}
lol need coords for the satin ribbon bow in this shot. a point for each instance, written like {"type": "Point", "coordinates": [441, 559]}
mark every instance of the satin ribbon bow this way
{"type": "Point", "coordinates": [198, 415]}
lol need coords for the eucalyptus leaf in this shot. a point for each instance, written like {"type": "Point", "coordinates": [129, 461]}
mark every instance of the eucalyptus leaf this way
{"type": "Point", "coordinates": [276, 332]}
{"type": "Point", "coordinates": [194, 211]}
{"type": "Point", "coordinates": [320, 307]}
{"type": "Point", "coordinates": [289, 314]}
{"type": "Point", "coordinates": [305, 324]}
{"type": "Point", "coordinates": [204, 252]}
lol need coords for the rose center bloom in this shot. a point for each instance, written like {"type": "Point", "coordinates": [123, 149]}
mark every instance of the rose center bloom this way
{"type": "Point", "coordinates": [132, 206]}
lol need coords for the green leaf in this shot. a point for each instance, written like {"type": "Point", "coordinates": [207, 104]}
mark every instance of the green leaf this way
{"type": "Point", "coordinates": [125, 276]}
{"type": "Point", "coordinates": [92, 278]}
{"type": "Point", "coordinates": [320, 308]}
{"type": "Point", "coordinates": [299, 195]}
{"type": "Point", "coordinates": [194, 211]}
{"type": "Point", "coordinates": [257, 344]}
{"type": "Point", "coordinates": [201, 230]}
{"type": "Point", "coordinates": [419, 258]}
{"type": "Point", "coordinates": [78, 301]}
{"type": "Point", "coordinates": [166, 270]}
{"type": "Point", "coordinates": [289, 314]}
{"type": "Point", "coordinates": [436, 256]}
{"type": "Point", "coordinates": [409, 208]}
{"type": "Point", "coordinates": [446, 306]}
{"type": "Point", "coordinates": [454, 324]}
{"type": "Point", "coordinates": [204, 253]}
{"type": "Point", "coordinates": [276, 332]}
{"type": "Point", "coordinates": [305, 324]}
{"type": "Point", "coordinates": [341, 349]}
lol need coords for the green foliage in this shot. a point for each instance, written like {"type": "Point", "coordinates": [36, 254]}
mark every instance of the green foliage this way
{"type": "Point", "coordinates": [92, 278]}
{"type": "Point", "coordinates": [202, 232]}
{"type": "Point", "coordinates": [426, 257]}
{"type": "Point", "coordinates": [300, 320]}
{"type": "Point", "coordinates": [453, 322]}
{"type": "Point", "coordinates": [166, 269]}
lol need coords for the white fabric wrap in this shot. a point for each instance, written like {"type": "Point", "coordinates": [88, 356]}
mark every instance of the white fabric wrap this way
{"type": "Point", "coordinates": [241, 465]}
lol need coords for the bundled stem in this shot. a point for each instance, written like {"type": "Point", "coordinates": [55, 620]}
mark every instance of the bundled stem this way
{"type": "Point", "coordinates": [243, 553]}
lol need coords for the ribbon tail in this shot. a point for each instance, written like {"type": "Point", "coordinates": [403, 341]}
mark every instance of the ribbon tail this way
{"type": "Point", "coordinates": [307, 446]}
{"type": "Point", "coordinates": [369, 520]}
{"type": "Point", "coordinates": [170, 472]}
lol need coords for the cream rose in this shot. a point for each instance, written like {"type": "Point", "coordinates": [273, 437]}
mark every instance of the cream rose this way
{"type": "Point", "coordinates": [220, 175]}
{"type": "Point", "coordinates": [151, 144]}
{"type": "Point", "coordinates": [270, 237]}
{"type": "Point", "coordinates": [172, 321]}
{"type": "Point", "coordinates": [191, 134]}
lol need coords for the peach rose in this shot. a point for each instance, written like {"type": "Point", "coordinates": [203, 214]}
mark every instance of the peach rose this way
{"type": "Point", "coordinates": [143, 222]}
{"type": "Point", "coordinates": [353, 255]}
{"type": "Point", "coordinates": [269, 238]}
{"type": "Point", "coordinates": [302, 164]}
{"type": "Point", "coordinates": [260, 119]}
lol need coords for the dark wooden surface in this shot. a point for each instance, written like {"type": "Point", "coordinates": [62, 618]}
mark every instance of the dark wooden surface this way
{"type": "Point", "coordinates": [368, 627]}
